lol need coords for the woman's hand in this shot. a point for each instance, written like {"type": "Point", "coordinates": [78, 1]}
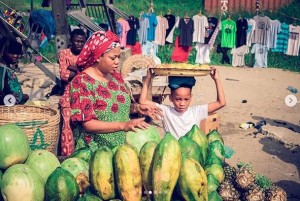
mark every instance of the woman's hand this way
{"type": "Point", "coordinates": [135, 123]}
{"type": "Point", "coordinates": [150, 110]}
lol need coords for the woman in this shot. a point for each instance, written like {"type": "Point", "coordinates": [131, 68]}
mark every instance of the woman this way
{"type": "Point", "coordinates": [68, 70]}
{"type": "Point", "coordinates": [9, 83]}
{"type": "Point", "coordinates": [100, 104]}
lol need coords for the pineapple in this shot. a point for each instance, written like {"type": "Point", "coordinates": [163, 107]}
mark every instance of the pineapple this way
{"type": "Point", "coordinates": [228, 192]}
{"type": "Point", "coordinates": [245, 176]}
{"type": "Point", "coordinates": [255, 193]}
{"type": "Point", "coordinates": [230, 172]}
{"type": "Point", "coordinates": [275, 193]}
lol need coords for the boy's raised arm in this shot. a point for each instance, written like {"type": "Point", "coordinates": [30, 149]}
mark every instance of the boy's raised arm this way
{"type": "Point", "coordinates": [144, 93]}
{"type": "Point", "coordinates": [220, 102]}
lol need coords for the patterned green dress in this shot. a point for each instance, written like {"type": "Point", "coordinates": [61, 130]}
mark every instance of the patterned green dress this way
{"type": "Point", "coordinates": [92, 99]}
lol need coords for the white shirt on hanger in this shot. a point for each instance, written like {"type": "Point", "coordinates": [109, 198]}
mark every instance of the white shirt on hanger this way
{"type": "Point", "coordinates": [200, 24]}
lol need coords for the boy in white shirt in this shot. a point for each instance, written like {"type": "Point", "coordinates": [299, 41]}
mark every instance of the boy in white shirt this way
{"type": "Point", "coordinates": [179, 118]}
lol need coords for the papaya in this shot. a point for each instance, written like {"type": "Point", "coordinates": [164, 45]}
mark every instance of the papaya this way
{"type": "Point", "coordinates": [128, 173]}
{"type": "Point", "coordinates": [166, 167]}
{"type": "Point", "coordinates": [200, 138]}
{"type": "Point", "coordinates": [192, 181]}
{"type": "Point", "coordinates": [217, 171]}
{"type": "Point", "coordinates": [213, 136]}
{"type": "Point", "coordinates": [189, 148]}
{"type": "Point", "coordinates": [212, 183]}
{"type": "Point", "coordinates": [89, 197]}
{"type": "Point", "coordinates": [83, 153]}
{"type": "Point", "coordinates": [61, 186]}
{"type": "Point", "coordinates": [146, 163]}
{"type": "Point", "coordinates": [213, 159]}
{"type": "Point", "coordinates": [102, 173]}
{"type": "Point", "coordinates": [217, 148]}
{"type": "Point", "coordinates": [214, 196]}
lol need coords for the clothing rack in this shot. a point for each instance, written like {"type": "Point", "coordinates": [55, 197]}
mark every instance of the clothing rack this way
{"type": "Point", "coordinates": [84, 20]}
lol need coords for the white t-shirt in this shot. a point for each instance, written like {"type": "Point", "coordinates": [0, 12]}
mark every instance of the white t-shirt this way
{"type": "Point", "coordinates": [178, 124]}
{"type": "Point", "coordinates": [200, 23]}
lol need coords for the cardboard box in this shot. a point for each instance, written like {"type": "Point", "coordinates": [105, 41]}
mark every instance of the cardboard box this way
{"type": "Point", "coordinates": [211, 123]}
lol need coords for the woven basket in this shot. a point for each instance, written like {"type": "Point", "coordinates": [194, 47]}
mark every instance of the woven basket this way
{"type": "Point", "coordinates": [40, 124]}
{"type": "Point", "coordinates": [136, 62]}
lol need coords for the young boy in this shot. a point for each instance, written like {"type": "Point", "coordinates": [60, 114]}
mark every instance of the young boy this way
{"type": "Point", "coordinates": [180, 118]}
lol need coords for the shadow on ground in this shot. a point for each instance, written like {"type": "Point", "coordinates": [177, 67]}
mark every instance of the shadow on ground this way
{"type": "Point", "coordinates": [279, 123]}
{"type": "Point", "coordinates": [277, 149]}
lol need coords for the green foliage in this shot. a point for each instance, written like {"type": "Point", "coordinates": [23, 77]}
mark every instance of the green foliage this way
{"type": "Point", "coordinates": [263, 181]}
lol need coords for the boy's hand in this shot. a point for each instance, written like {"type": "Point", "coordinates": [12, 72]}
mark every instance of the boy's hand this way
{"type": "Point", "coordinates": [214, 73]}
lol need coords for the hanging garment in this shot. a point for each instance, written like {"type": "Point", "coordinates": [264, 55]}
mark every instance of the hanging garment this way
{"type": "Point", "coordinates": [143, 30]}
{"type": "Point", "coordinates": [149, 48]}
{"type": "Point", "coordinates": [171, 23]}
{"type": "Point", "coordinates": [134, 26]}
{"type": "Point", "coordinates": [250, 31]}
{"type": "Point", "coordinates": [152, 25]}
{"type": "Point", "coordinates": [169, 39]}
{"type": "Point", "coordinates": [241, 32]}
{"type": "Point", "coordinates": [160, 31]}
{"type": "Point", "coordinates": [202, 55]}
{"type": "Point", "coordinates": [294, 41]}
{"type": "Point", "coordinates": [136, 48]}
{"type": "Point", "coordinates": [261, 55]}
{"type": "Point", "coordinates": [186, 28]}
{"type": "Point", "coordinates": [273, 32]}
{"type": "Point", "coordinates": [125, 29]}
{"type": "Point", "coordinates": [225, 57]}
{"type": "Point", "coordinates": [282, 39]}
{"type": "Point", "coordinates": [262, 26]}
{"type": "Point", "coordinates": [200, 25]}
{"type": "Point", "coordinates": [213, 37]}
{"type": "Point", "coordinates": [210, 30]}
{"type": "Point", "coordinates": [45, 20]}
{"type": "Point", "coordinates": [180, 53]}
{"type": "Point", "coordinates": [228, 28]}
{"type": "Point", "coordinates": [238, 55]}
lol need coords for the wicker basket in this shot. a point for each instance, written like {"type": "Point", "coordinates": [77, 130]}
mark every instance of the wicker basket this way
{"type": "Point", "coordinates": [180, 72]}
{"type": "Point", "coordinates": [40, 124]}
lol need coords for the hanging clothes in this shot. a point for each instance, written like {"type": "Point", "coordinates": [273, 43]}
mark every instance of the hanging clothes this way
{"type": "Point", "coordinates": [250, 31]}
{"type": "Point", "coordinates": [186, 28]}
{"type": "Point", "coordinates": [261, 55]}
{"type": "Point", "coordinates": [262, 26]}
{"type": "Point", "coordinates": [171, 23]}
{"type": "Point", "coordinates": [282, 39]}
{"type": "Point", "coordinates": [150, 48]}
{"type": "Point", "coordinates": [136, 48]}
{"type": "Point", "coordinates": [143, 30]}
{"type": "Point", "coordinates": [294, 41]}
{"type": "Point", "coordinates": [180, 53]}
{"type": "Point", "coordinates": [241, 32]}
{"type": "Point", "coordinates": [169, 38]}
{"type": "Point", "coordinates": [238, 55]}
{"type": "Point", "coordinates": [125, 29]}
{"type": "Point", "coordinates": [213, 37]}
{"type": "Point", "coordinates": [45, 20]}
{"type": "Point", "coordinates": [134, 25]}
{"type": "Point", "coordinates": [202, 55]}
{"type": "Point", "coordinates": [210, 30]}
{"type": "Point", "coordinates": [228, 28]}
{"type": "Point", "coordinates": [152, 25]}
{"type": "Point", "coordinates": [160, 31]}
{"type": "Point", "coordinates": [273, 32]}
{"type": "Point", "coordinates": [200, 25]}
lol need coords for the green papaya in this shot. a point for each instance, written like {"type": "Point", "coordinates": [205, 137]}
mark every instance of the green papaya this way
{"type": "Point", "coordinates": [213, 136]}
{"type": "Point", "coordinates": [212, 183]}
{"type": "Point", "coordinates": [192, 181]}
{"type": "Point", "coordinates": [102, 173]}
{"type": "Point", "coordinates": [166, 167]}
{"type": "Point", "coordinates": [214, 196]}
{"type": "Point", "coordinates": [128, 173]}
{"type": "Point", "coordinates": [89, 197]}
{"type": "Point", "coordinates": [83, 153]}
{"type": "Point", "coordinates": [61, 185]}
{"type": "Point", "coordinates": [217, 171]}
{"type": "Point", "coordinates": [146, 163]}
{"type": "Point", "coordinates": [200, 138]}
{"type": "Point", "coordinates": [189, 148]}
{"type": "Point", "coordinates": [213, 159]}
{"type": "Point", "coordinates": [217, 148]}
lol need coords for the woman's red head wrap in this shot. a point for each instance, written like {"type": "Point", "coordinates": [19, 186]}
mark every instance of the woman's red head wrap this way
{"type": "Point", "coordinates": [98, 43]}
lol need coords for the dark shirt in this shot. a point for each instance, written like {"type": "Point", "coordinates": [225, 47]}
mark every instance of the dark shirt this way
{"type": "Point", "coordinates": [171, 22]}
{"type": "Point", "coordinates": [132, 33]}
{"type": "Point", "coordinates": [186, 28]}
{"type": "Point", "coordinates": [241, 32]}
{"type": "Point", "coordinates": [212, 24]}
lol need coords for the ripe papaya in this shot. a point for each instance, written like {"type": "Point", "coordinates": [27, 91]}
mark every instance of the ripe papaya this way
{"type": "Point", "coordinates": [198, 136]}
{"type": "Point", "coordinates": [166, 167]}
{"type": "Point", "coordinates": [146, 163]}
{"type": "Point", "coordinates": [192, 181]}
{"type": "Point", "coordinates": [128, 173]}
{"type": "Point", "coordinates": [189, 148]}
{"type": "Point", "coordinates": [102, 173]}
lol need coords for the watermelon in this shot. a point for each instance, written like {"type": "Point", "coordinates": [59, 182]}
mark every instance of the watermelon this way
{"type": "Point", "coordinates": [21, 182]}
{"type": "Point", "coordinates": [43, 162]}
{"type": "Point", "coordinates": [14, 145]}
{"type": "Point", "coordinates": [61, 186]}
{"type": "Point", "coordinates": [139, 138]}
{"type": "Point", "coordinates": [79, 168]}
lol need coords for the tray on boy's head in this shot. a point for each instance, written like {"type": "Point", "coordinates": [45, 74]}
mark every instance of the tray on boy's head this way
{"type": "Point", "coordinates": [181, 69]}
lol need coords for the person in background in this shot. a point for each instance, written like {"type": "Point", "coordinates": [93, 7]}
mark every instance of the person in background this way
{"type": "Point", "coordinates": [9, 83]}
{"type": "Point", "coordinates": [100, 103]}
{"type": "Point", "coordinates": [68, 70]}
{"type": "Point", "coordinates": [179, 118]}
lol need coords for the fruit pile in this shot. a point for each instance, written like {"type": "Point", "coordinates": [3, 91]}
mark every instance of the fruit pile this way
{"type": "Point", "coordinates": [146, 167]}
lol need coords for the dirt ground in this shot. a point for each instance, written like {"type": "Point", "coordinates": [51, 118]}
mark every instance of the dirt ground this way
{"type": "Point", "coordinates": [251, 95]}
